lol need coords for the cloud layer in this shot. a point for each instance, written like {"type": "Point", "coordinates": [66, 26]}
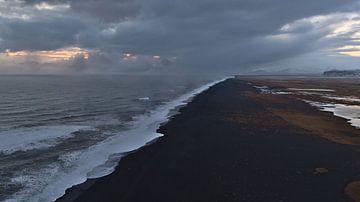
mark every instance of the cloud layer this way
{"type": "Point", "coordinates": [202, 36]}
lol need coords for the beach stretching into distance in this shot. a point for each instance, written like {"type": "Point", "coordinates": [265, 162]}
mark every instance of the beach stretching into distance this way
{"type": "Point", "coordinates": [242, 140]}
{"type": "Point", "coordinates": [179, 101]}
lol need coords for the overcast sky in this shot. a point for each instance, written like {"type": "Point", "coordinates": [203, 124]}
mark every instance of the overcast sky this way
{"type": "Point", "coordinates": [178, 36]}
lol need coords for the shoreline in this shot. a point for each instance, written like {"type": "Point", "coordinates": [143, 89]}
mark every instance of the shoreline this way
{"type": "Point", "coordinates": [163, 115]}
{"type": "Point", "coordinates": [218, 105]}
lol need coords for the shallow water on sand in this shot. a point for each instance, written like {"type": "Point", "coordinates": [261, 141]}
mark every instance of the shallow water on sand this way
{"type": "Point", "coordinates": [350, 112]}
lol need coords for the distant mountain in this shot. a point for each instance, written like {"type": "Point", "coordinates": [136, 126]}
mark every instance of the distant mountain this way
{"type": "Point", "coordinates": [343, 73]}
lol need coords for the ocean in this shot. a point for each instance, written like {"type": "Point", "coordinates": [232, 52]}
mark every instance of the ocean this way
{"type": "Point", "coordinates": [58, 131]}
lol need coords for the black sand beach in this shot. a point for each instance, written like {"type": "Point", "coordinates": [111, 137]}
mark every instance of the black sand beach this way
{"type": "Point", "coordinates": [228, 145]}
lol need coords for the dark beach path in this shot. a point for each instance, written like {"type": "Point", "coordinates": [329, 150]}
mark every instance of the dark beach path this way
{"type": "Point", "coordinates": [225, 146]}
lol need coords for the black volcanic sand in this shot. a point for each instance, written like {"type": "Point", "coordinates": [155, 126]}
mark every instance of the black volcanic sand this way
{"type": "Point", "coordinates": [205, 157]}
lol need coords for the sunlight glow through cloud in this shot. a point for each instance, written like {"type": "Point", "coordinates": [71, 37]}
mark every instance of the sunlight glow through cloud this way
{"type": "Point", "coordinates": [50, 56]}
{"type": "Point", "coordinates": [350, 50]}
{"type": "Point", "coordinates": [47, 6]}
{"type": "Point", "coordinates": [341, 28]}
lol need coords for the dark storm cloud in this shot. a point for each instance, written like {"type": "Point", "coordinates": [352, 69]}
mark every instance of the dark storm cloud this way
{"type": "Point", "coordinates": [103, 10]}
{"type": "Point", "coordinates": [108, 10]}
{"type": "Point", "coordinates": [217, 35]}
{"type": "Point", "coordinates": [48, 34]}
{"type": "Point", "coordinates": [201, 35]}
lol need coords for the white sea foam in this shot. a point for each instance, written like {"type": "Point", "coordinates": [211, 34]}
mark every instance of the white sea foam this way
{"type": "Point", "coordinates": [101, 159]}
{"type": "Point", "coordinates": [144, 98]}
{"type": "Point", "coordinates": [24, 139]}
{"type": "Point", "coordinates": [33, 181]}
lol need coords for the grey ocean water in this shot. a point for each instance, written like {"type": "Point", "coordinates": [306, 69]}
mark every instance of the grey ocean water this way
{"type": "Point", "coordinates": [57, 131]}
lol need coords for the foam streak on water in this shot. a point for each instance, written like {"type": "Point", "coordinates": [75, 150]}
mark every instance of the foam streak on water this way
{"type": "Point", "coordinates": [35, 138]}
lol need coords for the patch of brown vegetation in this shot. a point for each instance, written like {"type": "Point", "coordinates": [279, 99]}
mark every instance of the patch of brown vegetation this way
{"type": "Point", "coordinates": [353, 191]}
{"type": "Point", "coordinates": [266, 97]}
{"type": "Point", "coordinates": [321, 124]}
{"type": "Point", "coordinates": [342, 86]}
{"type": "Point", "coordinates": [315, 122]}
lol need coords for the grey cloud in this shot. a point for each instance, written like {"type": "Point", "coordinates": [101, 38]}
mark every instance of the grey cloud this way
{"type": "Point", "coordinates": [108, 10]}
{"type": "Point", "coordinates": [102, 10]}
{"type": "Point", "coordinates": [218, 35]}
{"type": "Point", "coordinates": [52, 33]}
{"type": "Point", "coordinates": [203, 35]}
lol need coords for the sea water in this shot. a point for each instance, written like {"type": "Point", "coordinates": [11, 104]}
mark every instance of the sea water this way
{"type": "Point", "coordinates": [58, 131]}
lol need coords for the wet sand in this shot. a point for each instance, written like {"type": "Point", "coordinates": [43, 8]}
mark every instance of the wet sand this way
{"type": "Point", "coordinates": [232, 143]}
